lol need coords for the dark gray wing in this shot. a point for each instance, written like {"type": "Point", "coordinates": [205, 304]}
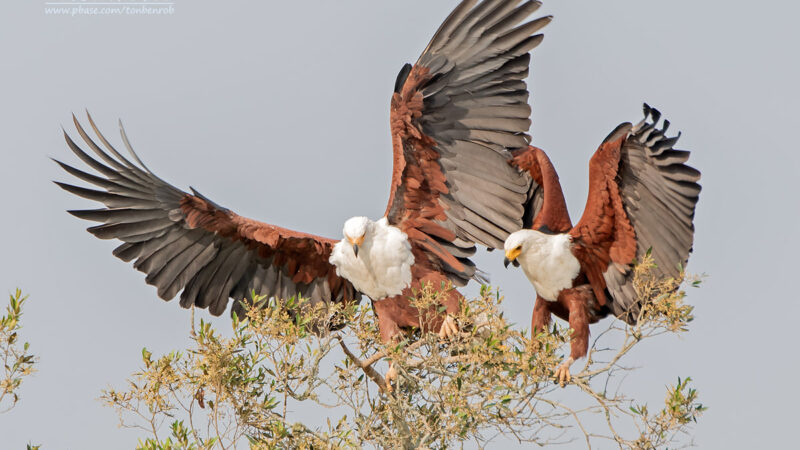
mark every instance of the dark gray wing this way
{"type": "Point", "coordinates": [659, 194]}
{"type": "Point", "coordinates": [188, 243]}
{"type": "Point", "coordinates": [456, 114]}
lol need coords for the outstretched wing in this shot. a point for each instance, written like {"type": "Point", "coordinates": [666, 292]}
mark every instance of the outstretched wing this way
{"type": "Point", "coordinates": [642, 197]}
{"type": "Point", "coordinates": [187, 242]}
{"type": "Point", "coordinates": [455, 115]}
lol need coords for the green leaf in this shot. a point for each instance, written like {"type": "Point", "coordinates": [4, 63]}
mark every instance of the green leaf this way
{"type": "Point", "coordinates": [146, 356]}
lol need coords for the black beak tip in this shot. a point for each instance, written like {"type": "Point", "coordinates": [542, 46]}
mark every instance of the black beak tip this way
{"type": "Point", "coordinates": [355, 250]}
{"type": "Point", "coordinates": [506, 262]}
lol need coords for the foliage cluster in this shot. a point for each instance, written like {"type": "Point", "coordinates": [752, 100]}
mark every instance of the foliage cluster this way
{"type": "Point", "coordinates": [491, 379]}
{"type": "Point", "coordinates": [18, 363]}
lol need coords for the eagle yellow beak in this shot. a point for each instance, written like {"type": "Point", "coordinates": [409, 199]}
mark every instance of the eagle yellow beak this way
{"type": "Point", "coordinates": [511, 256]}
{"type": "Point", "coordinates": [356, 243]}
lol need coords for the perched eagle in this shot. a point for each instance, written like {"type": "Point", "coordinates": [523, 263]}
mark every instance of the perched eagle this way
{"type": "Point", "coordinates": [642, 198]}
{"type": "Point", "coordinates": [456, 115]}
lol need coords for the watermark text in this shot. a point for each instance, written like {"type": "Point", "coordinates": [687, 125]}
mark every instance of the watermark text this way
{"type": "Point", "coordinates": [109, 8]}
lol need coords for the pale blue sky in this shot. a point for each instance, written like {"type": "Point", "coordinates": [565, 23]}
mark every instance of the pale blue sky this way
{"type": "Point", "coordinates": [279, 111]}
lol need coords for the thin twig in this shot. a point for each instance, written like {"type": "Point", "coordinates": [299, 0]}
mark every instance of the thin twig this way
{"type": "Point", "coordinates": [364, 365]}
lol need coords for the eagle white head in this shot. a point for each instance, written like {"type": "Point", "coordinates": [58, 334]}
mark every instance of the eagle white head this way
{"type": "Point", "coordinates": [546, 259]}
{"type": "Point", "coordinates": [520, 242]}
{"type": "Point", "coordinates": [355, 231]}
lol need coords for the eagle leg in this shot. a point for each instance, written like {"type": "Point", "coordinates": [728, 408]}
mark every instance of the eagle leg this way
{"type": "Point", "coordinates": [540, 322]}
{"type": "Point", "coordinates": [576, 302]}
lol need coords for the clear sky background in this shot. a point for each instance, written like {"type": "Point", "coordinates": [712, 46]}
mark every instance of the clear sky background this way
{"type": "Point", "coordinates": [279, 111]}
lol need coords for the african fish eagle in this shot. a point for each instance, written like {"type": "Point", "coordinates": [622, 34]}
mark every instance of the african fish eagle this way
{"type": "Point", "coordinates": [642, 198]}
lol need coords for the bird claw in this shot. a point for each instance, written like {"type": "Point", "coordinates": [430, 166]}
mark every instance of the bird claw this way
{"type": "Point", "coordinates": [562, 374]}
{"type": "Point", "coordinates": [449, 328]}
{"type": "Point", "coordinates": [391, 375]}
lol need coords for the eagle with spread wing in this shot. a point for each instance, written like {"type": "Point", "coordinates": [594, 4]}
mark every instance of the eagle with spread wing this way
{"type": "Point", "coordinates": [642, 198]}
{"type": "Point", "coordinates": [456, 115]}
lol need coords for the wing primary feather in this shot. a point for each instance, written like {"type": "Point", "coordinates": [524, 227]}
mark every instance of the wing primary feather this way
{"type": "Point", "coordinates": [452, 21]}
{"type": "Point", "coordinates": [96, 148]}
{"type": "Point", "coordinates": [123, 231]}
{"type": "Point", "coordinates": [108, 145]}
{"type": "Point", "coordinates": [516, 16]}
{"type": "Point", "coordinates": [110, 200]}
{"type": "Point", "coordinates": [91, 162]}
{"type": "Point", "coordinates": [129, 147]}
{"type": "Point", "coordinates": [125, 215]}
{"type": "Point", "coordinates": [110, 186]}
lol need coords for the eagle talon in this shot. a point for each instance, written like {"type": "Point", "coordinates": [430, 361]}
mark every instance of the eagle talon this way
{"type": "Point", "coordinates": [449, 328]}
{"type": "Point", "coordinates": [562, 375]}
{"type": "Point", "coordinates": [391, 375]}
